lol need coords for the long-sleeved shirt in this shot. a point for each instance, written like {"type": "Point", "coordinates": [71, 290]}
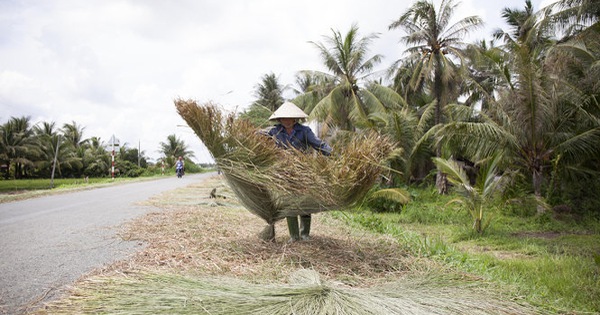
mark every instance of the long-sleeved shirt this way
{"type": "Point", "coordinates": [301, 138]}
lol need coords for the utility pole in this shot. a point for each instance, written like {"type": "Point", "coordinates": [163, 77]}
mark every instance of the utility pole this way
{"type": "Point", "coordinates": [114, 142]}
{"type": "Point", "coordinates": [54, 163]}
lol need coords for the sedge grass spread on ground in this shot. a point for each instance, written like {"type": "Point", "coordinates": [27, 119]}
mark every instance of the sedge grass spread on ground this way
{"type": "Point", "coordinates": [203, 256]}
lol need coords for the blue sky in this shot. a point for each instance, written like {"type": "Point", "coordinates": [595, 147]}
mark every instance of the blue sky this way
{"type": "Point", "coordinates": [115, 66]}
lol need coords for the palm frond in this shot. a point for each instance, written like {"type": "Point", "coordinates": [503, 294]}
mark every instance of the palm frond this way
{"type": "Point", "coordinates": [456, 174]}
{"type": "Point", "coordinates": [398, 195]}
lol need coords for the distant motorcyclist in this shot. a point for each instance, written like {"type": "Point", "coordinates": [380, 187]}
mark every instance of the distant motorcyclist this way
{"type": "Point", "coordinates": [180, 167]}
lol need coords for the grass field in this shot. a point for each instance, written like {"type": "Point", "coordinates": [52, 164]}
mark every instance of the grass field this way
{"type": "Point", "coordinates": [20, 185]}
{"type": "Point", "coordinates": [203, 256]}
{"type": "Point", "coordinates": [552, 260]}
{"type": "Point", "coordinates": [13, 190]}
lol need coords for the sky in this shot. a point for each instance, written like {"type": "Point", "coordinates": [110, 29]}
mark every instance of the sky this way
{"type": "Point", "coordinates": [115, 67]}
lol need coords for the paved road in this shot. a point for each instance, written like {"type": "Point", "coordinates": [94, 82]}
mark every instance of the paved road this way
{"type": "Point", "coordinates": [47, 243]}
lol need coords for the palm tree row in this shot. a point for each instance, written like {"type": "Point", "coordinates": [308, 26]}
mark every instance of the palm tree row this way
{"type": "Point", "coordinates": [30, 151]}
{"type": "Point", "coordinates": [527, 100]}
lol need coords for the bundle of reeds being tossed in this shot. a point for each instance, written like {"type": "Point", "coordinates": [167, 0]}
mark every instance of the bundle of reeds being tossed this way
{"type": "Point", "coordinates": [274, 183]}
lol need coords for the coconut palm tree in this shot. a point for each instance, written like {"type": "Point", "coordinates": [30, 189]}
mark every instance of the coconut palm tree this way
{"type": "Point", "coordinates": [47, 139]}
{"type": "Point", "coordinates": [96, 159]}
{"type": "Point", "coordinates": [432, 43]}
{"type": "Point", "coordinates": [412, 156]}
{"type": "Point", "coordinates": [530, 102]}
{"type": "Point", "coordinates": [540, 122]}
{"type": "Point", "coordinates": [73, 137]}
{"type": "Point", "coordinates": [314, 81]}
{"type": "Point", "coordinates": [174, 148]}
{"type": "Point", "coordinates": [269, 94]}
{"type": "Point", "coordinates": [53, 145]}
{"type": "Point", "coordinates": [17, 145]}
{"type": "Point", "coordinates": [311, 87]}
{"type": "Point", "coordinates": [73, 133]}
{"type": "Point", "coordinates": [434, 46]}
{"type": "Point", "coordinates": [349, 103]}
{"type": "Point", "coordinates": [476, 198]}
{"type": "Point", "coordinates": [488, 73]}
{"type": "Point", "coordinates": [575, 16]}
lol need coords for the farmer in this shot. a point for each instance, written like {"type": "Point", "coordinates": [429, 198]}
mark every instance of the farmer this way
{"type": "Point", "coordinates": [289, 132]}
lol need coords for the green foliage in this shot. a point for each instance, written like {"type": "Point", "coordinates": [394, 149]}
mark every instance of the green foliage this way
{"type": "Point", "coordinates": [370, 222]}
{"type": "Point", "coordinates": [134, 172]}
{"type": "Point", "coordinates": [520, 207]}
{"type": "Point", "coordinates": [269, 93]}
{"type": "Point", "coordinates": [132, 155]}
{"type": "Point", "coordinates": [343, 103]}
{"type": "Point", "coordinates": [12, 185]}
{"type": "Point", "coordinates": [553, 263]}
{"type": "Point", "coordinates": [258, 115]}
{"type": "Point", "coordinates": [128, 169]}
{"type": "Point", "coordinates": [191, 167]}
{"type": "Point", "coordinates": [31, 151]}
{"type": "Point", "coordinates": [580, 196]}
{"type": "Point", "coordinates": [383, 205]}
{"type": "Point", "coordinates": [429, 207]}
{"type": "Point", "coordinates": [477, 198]}
{"type": "Point", "coordinates": [174, 148]}
{"type": "Point", "coordinates": [153, 170]}
{"type": "Point", "coordinates": [387, 200]}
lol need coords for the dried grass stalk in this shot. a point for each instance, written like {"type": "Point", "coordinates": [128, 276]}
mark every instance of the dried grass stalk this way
{"type": "Point", "coordinates": [304, 294]}
{"type": "Point", "coordinates": [274, 183]}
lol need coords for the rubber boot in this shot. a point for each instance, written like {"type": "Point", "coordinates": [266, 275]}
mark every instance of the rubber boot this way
{"type": "Point", "coordinates": [305, 227]}
{"type": "Point", "coordinates": [293, 228]}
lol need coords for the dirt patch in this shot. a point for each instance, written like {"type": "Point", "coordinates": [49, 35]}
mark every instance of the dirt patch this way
{"type": "Point", "coordinates": [196, 234]}
{"type": "Point", "coordinates": [545, 235]}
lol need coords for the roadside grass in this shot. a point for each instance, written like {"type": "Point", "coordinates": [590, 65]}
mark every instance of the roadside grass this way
{"type": "Point", "coordinates": [553, 263]}
{"type": "Point", "coordinates": [203, 256]}
{"type": "Point", "coordinates": [14, 190]}
{"type": "Point", "coordinates": [19, 185]}
{"type": "Point", "coordinates": [20, 189]}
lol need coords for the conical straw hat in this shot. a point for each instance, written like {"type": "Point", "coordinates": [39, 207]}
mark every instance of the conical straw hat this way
{"type": "Point", "coordinates": [288, 110]}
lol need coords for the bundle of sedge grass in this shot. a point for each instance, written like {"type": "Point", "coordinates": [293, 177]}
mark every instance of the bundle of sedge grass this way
{"type": "Point", "coordinates": [274, 183]}
{"type": "Point", "coordinates": [304, 294]}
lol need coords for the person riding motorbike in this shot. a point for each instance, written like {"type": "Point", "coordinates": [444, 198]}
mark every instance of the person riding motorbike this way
{"type": "Point", "coordinates": [180, 167]}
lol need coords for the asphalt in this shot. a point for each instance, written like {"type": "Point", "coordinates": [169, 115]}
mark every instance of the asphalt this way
{"type": "Point", "coordinates": [47, 243]}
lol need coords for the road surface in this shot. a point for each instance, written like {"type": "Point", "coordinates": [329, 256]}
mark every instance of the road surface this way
{"type": "Point", "coordinates": [47, 243]}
